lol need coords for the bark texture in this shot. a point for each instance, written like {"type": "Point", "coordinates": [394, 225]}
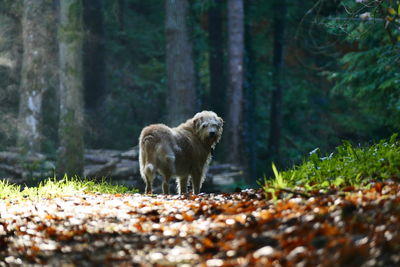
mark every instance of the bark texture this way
{"type": "Point", "coordinates": [70, 154]}
{"type": "Point", "coordinates": [234, 124]}
{"type": "Point", "coordinates": [278, 65]}
{"type": "Point", "coordinates": [181, 98]}
{"type": "Point", "coordinates": [37, 70]}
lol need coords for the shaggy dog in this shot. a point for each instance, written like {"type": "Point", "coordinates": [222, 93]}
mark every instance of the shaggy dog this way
{"type": "Point", "coordinates": [182, 151]}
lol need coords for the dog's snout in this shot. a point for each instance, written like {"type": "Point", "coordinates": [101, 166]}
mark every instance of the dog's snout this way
{"type": "Point", "coordinates": [212, 133]}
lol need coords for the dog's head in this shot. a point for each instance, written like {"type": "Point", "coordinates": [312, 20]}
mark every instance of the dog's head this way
{"type": "Point", "coordinates": [208, 126]}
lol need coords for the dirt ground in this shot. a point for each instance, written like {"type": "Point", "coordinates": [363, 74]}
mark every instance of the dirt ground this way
{"type": "Point", "coordinates": [339, 228]}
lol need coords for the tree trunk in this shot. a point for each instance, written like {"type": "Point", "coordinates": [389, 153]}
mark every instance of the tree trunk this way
{"type": "Point", "coordinates": [93, 54]}
{"type": "Point", "coordinates": [70, 154]}
{"type": "Point", "coordinates": [37, 70]}
{"type": "Point", "coordinates": [216, 63]}
{"type": "Point", "coordinates": [278, 65]}
{"type": "Point", "coordinates": [249, 105]}
{"type": "Point", "coordinates": [234, 123]}
{"type": "Point", "coordinates": [181, 98]}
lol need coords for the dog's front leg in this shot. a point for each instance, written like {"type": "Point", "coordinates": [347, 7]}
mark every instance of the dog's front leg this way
{"type": "Point", "coordinates": [149, 188]}
{"type": "Point", "coordinates": [182, 185]}
{"type": "Point", "coordinates": [196, 179]}
{"type": "Point", "coordinates": [165, 184]}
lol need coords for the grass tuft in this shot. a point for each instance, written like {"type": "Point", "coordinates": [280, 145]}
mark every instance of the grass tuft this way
{"type": "Point", "coordinates": [53, 188]}
{"type": "Point", "coordinates": [347, 166]}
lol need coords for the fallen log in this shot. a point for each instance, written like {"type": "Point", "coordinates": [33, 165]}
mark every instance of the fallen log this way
{"type": "Point", "coordinates": [100, 170]}
{"type": "Point", "coordinates": [221, 168]}
{"type": "Point", "coordinates": [132, 154]}
{"type": "Point", "coordinates": [14, 157]}
{"type": "Point", "coordinates": [120, 166]}
{"type": "Point", "coordinates": [96, 159]}
{"type": "Point", "coordinates": [13, 170]}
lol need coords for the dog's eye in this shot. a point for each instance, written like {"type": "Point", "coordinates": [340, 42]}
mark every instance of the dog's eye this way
{"type": "Point", "coordinates": [203, 126]}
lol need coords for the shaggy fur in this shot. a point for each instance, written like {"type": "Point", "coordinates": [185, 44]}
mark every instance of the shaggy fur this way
{"type": "Point", "coordinates": [183, 151]}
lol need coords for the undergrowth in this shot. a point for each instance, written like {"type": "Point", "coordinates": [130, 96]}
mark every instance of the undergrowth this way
{"type": "Point", "coordinates": [348, 166]}
{"type": "Point", "coordinates": [53, 188]}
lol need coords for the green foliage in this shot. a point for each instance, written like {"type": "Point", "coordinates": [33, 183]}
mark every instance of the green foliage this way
{"type": "Point", "coordinates": [279, 181]}
{"type": "Point", "coordinates": [347, 166]}
{"type": "Point", "coordinates": [9, 190]}
{"type": "Point", "coordinates": [372, 77]}
{"type": "Point", "coordinates": [53, 188]}
{"type": "Point", "coordinates": [369, 73]}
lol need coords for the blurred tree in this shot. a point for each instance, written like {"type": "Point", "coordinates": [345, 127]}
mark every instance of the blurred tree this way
{"type": "Point", "coordinates": [93, 59]}
{"type": "Point", "coordinates": [70, 153]}
{"type": "Point", "coordinates": [249, 132]}
{"type": "Point", "coordinates": [134, 75]}
{"type": "Point", "coordinates": [11, 8]}
{"type": "Point", "coordinates": [10, 70]}
{"type": "Point", "coordinates": [216, 57]}
{"type": "Point", "coordinates": [181, 96]}
{"type": "Point", "coordinates": [234, 116]}
{"type": "Point", "coordinates": [38, 37]}
{"type": "Point", "coordinates": [94, 66]}
{"type": "Point", "coordinates": [277, 78]}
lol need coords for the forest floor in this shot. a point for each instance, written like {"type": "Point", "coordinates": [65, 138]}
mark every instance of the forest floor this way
{"type": "Point", "coordinates": [350, 227]}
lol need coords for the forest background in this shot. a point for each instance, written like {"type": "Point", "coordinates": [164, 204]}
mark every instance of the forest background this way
{"type": "Point", "coordinates": [286, 76]}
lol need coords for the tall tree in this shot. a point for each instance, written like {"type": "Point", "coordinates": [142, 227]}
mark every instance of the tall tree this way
{"type": "Point", "coordinates": [37, 71]}
{"type": "Point", "coordinates": [278, 65]}
{"type": "Point", "coordinates": [70, 154]}
{"type": "Point", "coordinates": [181, 99]}
{"type": "Point", "coordinates": [249, 102]}
{"type": "Point", "coordinates": [234, 124]}
{"type": "Point", "coordinates": [93, 53]}
{"type": "Point", "coordinates": [216, 52]}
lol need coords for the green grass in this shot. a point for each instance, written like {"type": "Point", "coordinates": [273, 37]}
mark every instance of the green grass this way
{"type": "Point", "coordinates": [52, 188]}
{"type": "Point", "coordinates": [347, 166]}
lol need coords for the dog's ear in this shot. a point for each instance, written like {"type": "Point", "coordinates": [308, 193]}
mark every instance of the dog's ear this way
{"type": "Point", "coordinates": [196, 123]}
{"type": "Point", "coordinates": [221, 121]}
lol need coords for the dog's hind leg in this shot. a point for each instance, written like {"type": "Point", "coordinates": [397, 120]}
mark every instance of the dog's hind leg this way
{"type": "Point", "coordinates": [168, 169]}
{"type": "Point", "coordinates": [149, 173]}
{"type": "Point", "coordinates": [182, 185]}
{"type": "Point", "coordinates": [147, 162]}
